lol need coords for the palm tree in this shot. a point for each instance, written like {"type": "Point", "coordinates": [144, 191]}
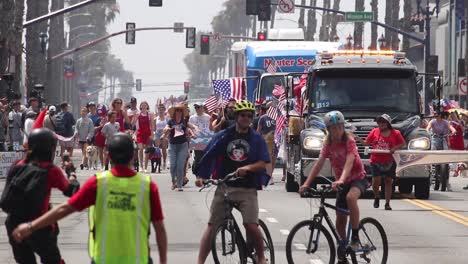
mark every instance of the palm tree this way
{"type": "Point", "coordinates": [35, 57]}
{"type": "Point", "coordinates": [311, 22]}
{"type": "Point", "coordinates": [374, 35]}
{"type": "Point", "coordinates": [388, 21]}
{"type": "Point", "coordinates": [395, 23]}
{"type": "Point", "coordinates": [300, 22]}
{"type": "Point", "coordinates": [334, 22]}
{"type": "Point", "coordinates": [406, 23]}
{"type": "Point", "coordinates": [56, 46]}
{"type": "Point", "coordinates": [6, 38]}
{"type": "Point", "coordinates": [325, 27]}
{"type": "Point", "coordinates": [358, 26]}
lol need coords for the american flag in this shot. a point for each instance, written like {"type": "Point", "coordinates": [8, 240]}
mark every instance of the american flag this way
{"type": "Point", "coordinates": [282, 107]}
{"type": "Point", "coordinates": [279, 130]}
{"type": "Point", "coordinates": [272, 112]}
{"type": "Point", "coordinates": [230, 88]}
{"type": "Point", "coordinates": [272, 67]}
{"type": "Point", "coordinates": [278, 91]}
{"type": "Point", "coordinates": [212, 103]}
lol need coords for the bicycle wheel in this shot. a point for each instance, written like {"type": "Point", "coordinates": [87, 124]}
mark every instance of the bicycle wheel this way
{"type": "Point", "coordinates": [267, 242]}
{"type": "Point", "coordinates": [322, 247]}
{"type": "Point", "coordinates": [226, 246]}
{"type": "Point", "coordinates": [374, 242]}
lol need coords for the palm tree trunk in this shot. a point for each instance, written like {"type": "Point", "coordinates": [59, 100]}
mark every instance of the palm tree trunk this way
{"type": "Point", "coordinates": [325, 27]}
{"type": "Point", "coordinates": [300, 22]}
{"type": "Point", "coordinates": [311, 22]}
{"type": "Point", "coordinates": [395, 23]}
{"type": "Point", "coordinates": [273, 15]}
{"type": "Point", "coordinates": [374, 34]}
{"type": "Point", "coordinates": [57, 45]}
{"type": "Point", "coordinates": [388, 21]}
{"type": "Point", "coordinates": [254, 27]}
{"type": "Point", "coordinates": [18, 45]}
{"type": "Point", "coordinates": [334, 22]}
{"type": "Point", "coordinates": [6, 40]}
{"type": "Point", "coordinates": [35, 58]}
{"type": "Point", "coordinates": [407, 12]}
{"type": "Point", "coordinates": [358, 26]}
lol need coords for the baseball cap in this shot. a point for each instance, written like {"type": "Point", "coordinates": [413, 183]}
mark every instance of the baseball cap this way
{"type": "Point", "coordinates": [90, 104]}
{"type": "Point", "coordinates": [197, 104]}
{"type": "Point", "coordinates": [52, 108]}
{"type": "Point", "coordinates": [133, 99]}
{"type": "Point", "coordinates": [385, 118]}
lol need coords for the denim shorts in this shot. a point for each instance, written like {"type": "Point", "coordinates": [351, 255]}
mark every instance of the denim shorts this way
{"type": "Point", "coordinates": [383, 169]}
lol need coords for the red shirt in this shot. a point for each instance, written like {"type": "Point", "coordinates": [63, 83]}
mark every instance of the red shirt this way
{"type": "Point", "coordinates": [55, 179]}
{"type": "Point", "coordinates": [86, 196]}
{"type": "Point", "coordinates": [337, 153]}
{"type": "Point", "coordinates": [457, 142]}
{"type": "Point", "coordinates": [384, 143]}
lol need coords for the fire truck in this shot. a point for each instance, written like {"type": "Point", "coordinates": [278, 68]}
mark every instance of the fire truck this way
{"type": "Point", "coordinates": [362, 85]}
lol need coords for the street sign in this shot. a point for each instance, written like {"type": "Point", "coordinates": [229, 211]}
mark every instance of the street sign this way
{"type": "Point", "coordinates": [462, 83]}
{"type": "Point", "coordinates": [138, 85]}
{"type": "Point", "coordinates": [359, 16]}
{"type": "Point", "coordinates": [178, 27]}
{"type": "Point", "coordinates": [286, 6]}
{"type": "Point", "coordinates": [190, 38]}
{"type": "Point", "coordinates": [130, 36]}
{"type": "Point", "coordinates": [216, 36]}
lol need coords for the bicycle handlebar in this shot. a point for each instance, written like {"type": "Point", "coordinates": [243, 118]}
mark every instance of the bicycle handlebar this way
{"type": "Point", "coordinates": [230, 176]}
{"type": "Point", "coordinates": [324, 189]}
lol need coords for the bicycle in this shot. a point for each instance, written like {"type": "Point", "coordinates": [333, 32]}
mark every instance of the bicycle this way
{"type": "Point", "coordinates": [304, 245]}
{"type": "Point", "coordinates": [440, 172]}
{"type": "Point", "coordinates": [227, 241]}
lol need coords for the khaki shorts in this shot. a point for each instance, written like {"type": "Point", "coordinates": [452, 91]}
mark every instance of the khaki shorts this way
{"type": "Point", "coordinates": [67, 144]}
{"type": "Point", "coordinates": [246, 200]}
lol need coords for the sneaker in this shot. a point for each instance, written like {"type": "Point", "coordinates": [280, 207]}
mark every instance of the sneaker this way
{"type": "Point", "coordinates": [387, 207]}
{"type": "Point", "coordinates": [81, 166]}
{"type": "Point", "coordinates": [376, 202]}
{"type": "Point", "coordinates": [180, 190]}
{"type": "Point", "coordinates": [465, 188]}
{"type": "Point", "coordinates": [354, 244]}
{"type": "Point", "coordinates": [342, 261]}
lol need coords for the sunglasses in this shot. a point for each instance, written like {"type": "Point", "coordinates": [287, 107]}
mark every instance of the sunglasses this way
{"type": "Point", "coordinates": [246, 115]}
{"type": "Point", "coordinates": [118, 103]}
{"type": "Point", "coordinates": [196, 107]}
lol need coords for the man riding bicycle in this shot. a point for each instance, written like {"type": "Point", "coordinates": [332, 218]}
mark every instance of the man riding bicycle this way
{"type": "Point", "coordinates": [242, 150]}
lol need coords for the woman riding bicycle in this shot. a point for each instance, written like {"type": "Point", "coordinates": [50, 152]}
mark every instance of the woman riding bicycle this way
{"type": "Point", "coordinates": [439, 128]}
{"type": "Point", "coordinates": [340, 148]}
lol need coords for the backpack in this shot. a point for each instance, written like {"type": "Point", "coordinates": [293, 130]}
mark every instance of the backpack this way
{"type": "Point", "coordinates": [60, 124]}
{"type": "Point", "coordinates": [25, 191]}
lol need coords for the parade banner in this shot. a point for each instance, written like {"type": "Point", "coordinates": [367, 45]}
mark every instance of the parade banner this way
{"type": "Point", "coordinates": [408, 158]}
{"type": "Point", "coordinates": [201, 141]}
{"type": "Point", "coordinates": [6, 160]}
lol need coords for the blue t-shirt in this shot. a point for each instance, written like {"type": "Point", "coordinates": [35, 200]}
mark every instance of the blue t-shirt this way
{"type": "Point", "coordinates": [95, 118]}
{"type": "Point", "coordinates": [267, 124]}
{"type": "Point", "coordinates": [68, 122]}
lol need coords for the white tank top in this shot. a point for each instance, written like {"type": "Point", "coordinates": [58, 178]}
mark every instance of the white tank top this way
{"type": "Point", "coordinates": [160, 124]}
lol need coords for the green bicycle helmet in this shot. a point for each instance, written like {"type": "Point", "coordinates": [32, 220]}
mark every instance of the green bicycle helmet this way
{"type": "Point", "coordinates": [244, 105]}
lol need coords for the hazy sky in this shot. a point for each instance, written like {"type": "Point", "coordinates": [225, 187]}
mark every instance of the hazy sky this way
{"type": "Point", "coordinates": [157, 56]}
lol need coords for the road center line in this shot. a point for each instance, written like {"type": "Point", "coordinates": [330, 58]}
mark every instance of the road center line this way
{"type": "Point", "coordinates": [416, 203]}
{"type": "Point", "coordinates": [271, 220]}
{"type": "Point", "coordinates": [462, 217]}
{"type": "Point", "coordinates": [284, 232]}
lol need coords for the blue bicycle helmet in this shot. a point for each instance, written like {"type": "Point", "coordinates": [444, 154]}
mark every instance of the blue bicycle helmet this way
{"type": "Point", "coordinates": [333, 118]}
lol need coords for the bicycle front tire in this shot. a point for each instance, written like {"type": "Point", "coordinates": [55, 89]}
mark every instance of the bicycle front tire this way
{"type": "Point", "coordinates": [268, 242]}
{"type": "Point", "coordinates": [298, 240]}
{"type": "Point", "coordinates": [226, 246]}
{"type": "Point", "coordinates": [373, 240]}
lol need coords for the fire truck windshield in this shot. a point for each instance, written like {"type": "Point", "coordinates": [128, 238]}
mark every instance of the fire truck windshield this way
{"type": "Point", "coordinates": [387, 91]}
{"type": "Point", "coordinates": [268, 84]}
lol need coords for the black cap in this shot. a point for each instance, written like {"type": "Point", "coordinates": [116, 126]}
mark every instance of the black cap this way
{"type": "Point", "coordinates": [90, 104]}
{"type": "Point", "coordinates": [133, 99]}
{"type": "Point", "coordinates": [197, 104]}
{"type": "Point", "coordinates": [42, 143]}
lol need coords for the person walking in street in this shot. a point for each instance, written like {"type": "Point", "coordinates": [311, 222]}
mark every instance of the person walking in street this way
{"type": "Point", "coordinates": [266, 127]}
{"type": "Point", "coordinates": [49, 119]}
{"type": "Point", "coordinates": [132, 111]}
{"type": "Point", "coordinates": [84, 131]}
{"type": "Point", "coordinates": [144, 127]}
{"type": "Point", "coordinates": [99, 138]}
{"type": "Point", "coordinates": [64, 127]}
{"type": "Point", "coordinates": [161, 122]}
{"type": "Point", "coordinates": [123, 204]}
{"type": "Point", "coordinates": [260, 110]}
{"type": "Point", "coordinates": [340, 148]}
{"type": "Point", "coordinates": [383, 137]}
{"type": "Point", "coordinates": [177, 131]}
{"type": "Point", "coordinates": [121, 116]}
{"type": "Point", "coordinates": [28, 126]}
{"type": "Point", "coordinates": [242, 150]}
{"type": "Point", "coordinates": [15, 127]}
{"type": "Point", "coordinates": [39, 160]}
{"type": "Point", "coordinates": [108, 130]}
{"type": "Point", "coordinates": [201, 120]}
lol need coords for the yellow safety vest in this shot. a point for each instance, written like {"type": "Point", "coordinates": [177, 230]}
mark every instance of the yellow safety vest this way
{"type": "Point", "coordinates": [120, 221]}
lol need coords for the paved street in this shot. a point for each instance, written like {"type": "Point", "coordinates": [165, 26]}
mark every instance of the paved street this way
{"type": "Point", "coordinates": [433, 231]}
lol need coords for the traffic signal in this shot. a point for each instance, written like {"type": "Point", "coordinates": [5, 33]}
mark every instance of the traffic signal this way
{"type": "Point", "coordinates": [186, 87]}
{"type": "Point", "coordinates": [251, 7]}
{"type": "Point", "coordinates": [264, 10]}
{"type": "Point", "coordinates": [190, 38]}
{"type": "Point", "coordinates": [68, 67]}
{"type": "Point", "coordinates": [138, 85]}
{"type": "Point", "coordinates": [261, 36]}
{"type": "Point", "coordinates": [155, 2]}
{"type": "Point", "coordinates": [130, 35]}
{"type": "Point", "coordinates": [204, 44]}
